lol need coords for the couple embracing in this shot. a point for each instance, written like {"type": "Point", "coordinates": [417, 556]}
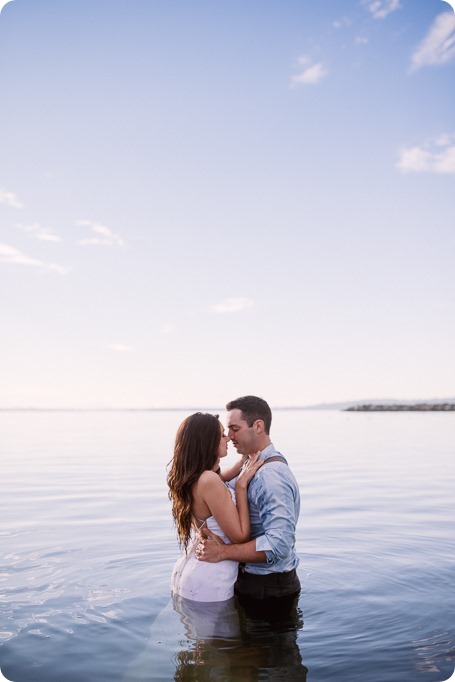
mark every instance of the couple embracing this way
{"type": "Point", "coordinates": [237, 526]}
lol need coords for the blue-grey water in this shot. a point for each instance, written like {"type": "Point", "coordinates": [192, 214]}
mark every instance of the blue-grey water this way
{"type": "Point", "coordinates": [87, 548]}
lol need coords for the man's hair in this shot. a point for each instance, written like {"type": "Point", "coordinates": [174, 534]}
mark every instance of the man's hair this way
{"type": "Point", "coordinates": [252, 408]}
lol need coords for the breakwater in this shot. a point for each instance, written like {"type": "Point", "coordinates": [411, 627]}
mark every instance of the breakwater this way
{"type": "Point", "coordinates": [416, 407]}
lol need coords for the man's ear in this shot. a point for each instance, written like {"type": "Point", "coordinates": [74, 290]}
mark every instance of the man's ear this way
{"type": "Point", "coordinates": [259, 426]}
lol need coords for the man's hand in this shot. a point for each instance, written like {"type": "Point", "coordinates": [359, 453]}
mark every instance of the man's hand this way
{"type": "Point", "coordinates": [210, 548]}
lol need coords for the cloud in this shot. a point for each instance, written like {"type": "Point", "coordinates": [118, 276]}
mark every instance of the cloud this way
{"type": "Point", "coordinates": [121, 348]}
{"type": "Point", "coordinates": [9, 254]}
{"type": "Point", "coordinates": [43, 233]}
{"type": "Point", "coordinates": [105, 236]}
{"type": "Point", "coordinates": [380, 9]}
{"type": "Point", "coordinates": [438, 46]}
{"type": "Point", "coordinates": [361, 40]}
{"type": "Point", "coordinates": [9, 198]}
{"type": "Point", "coordinates": [344, 22]}
{"type": "Point", "coordinates": [232, 305]}
{"type": "Point", "coordinates": [310, 74]}
{"type": "Point", "coordinates": [435, 157]}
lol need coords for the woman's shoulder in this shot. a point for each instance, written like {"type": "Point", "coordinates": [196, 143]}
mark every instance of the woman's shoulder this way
{"type": "Point", "coordinates": [210, 478]}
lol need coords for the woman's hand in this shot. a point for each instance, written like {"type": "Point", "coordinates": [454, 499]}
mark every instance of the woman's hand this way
{"type": "Point", "coordinates": [251, 465]}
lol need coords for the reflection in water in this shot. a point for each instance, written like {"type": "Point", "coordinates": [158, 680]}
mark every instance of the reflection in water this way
{"type": "Point", "coordinates": [217, 641]}
{"type": "Point", "coordinates": [226, 644]}
{"type": "Point", "coordinates": [432, 653]}
{"type": "Point", "coordinates": [208, 620]}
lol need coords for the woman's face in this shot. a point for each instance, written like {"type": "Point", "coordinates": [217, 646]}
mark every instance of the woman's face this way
{"type": "Point", "coordinates": [222, 450]}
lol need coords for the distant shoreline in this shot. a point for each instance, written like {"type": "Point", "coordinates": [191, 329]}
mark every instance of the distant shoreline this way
{"type": "Point", "coordinates": [417, 407]}
{"type": "Point", "coordinates": [433, 406]}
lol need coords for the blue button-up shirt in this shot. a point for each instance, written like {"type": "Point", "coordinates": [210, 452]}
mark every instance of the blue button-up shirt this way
{"type": "Point", "coordinates": [274, 500]}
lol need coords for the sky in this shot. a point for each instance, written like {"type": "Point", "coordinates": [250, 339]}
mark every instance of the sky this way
{"type": "Point", "coordinates": [201, 200]}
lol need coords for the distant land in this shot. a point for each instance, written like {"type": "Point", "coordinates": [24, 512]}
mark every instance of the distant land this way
{"type": "Point", "coordinates": [414, 407]}
{"type": "Point", "coordinates": [385, 404]}
{"type": "Point", "coordinates": [369, 405]}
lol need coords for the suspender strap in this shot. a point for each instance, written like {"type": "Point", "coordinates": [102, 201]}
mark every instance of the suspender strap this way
{"type": "Point", "coordinates": [275, 458]}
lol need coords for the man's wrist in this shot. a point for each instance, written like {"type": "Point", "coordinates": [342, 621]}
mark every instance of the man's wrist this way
{"type": "Point", "coordinates": [224, 552]}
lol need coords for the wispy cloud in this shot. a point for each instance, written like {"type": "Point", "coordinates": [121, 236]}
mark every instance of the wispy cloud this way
{"type": "Point", "coordinates": [9, 198]}
{"type": "Point", "coordinates": [121, 348]}
{"type": "Point", "coordinates": [232, 305]}
{"type": "Point", "coordinates": [361, 40]}
{"type": "Point", "coordinates": [438, 46]}
{"type": "Point", "coordinates": [39, 232]}
{"type": "Point", "coordinates": [344, 22]}
{"type": "Point", "coordinates": [310, 74]}
{"type": "Point", "coordinates": [9, 254]}
{"type": "Point", "coordinates": [380, 9]}
{"type": "Point", "coordinates": [437, 156]}
{"type": "Point", "coordinates": [104, 237]}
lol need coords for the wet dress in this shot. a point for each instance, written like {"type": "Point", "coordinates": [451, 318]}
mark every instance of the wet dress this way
{"type": "Point", "coordinates": [200, 580]}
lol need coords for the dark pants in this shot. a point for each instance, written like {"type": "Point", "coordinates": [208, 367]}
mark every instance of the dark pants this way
{"type": "Point", "coordinates": [269, 597]}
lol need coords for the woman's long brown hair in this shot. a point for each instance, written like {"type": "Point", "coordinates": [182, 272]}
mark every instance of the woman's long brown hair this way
{"type": "Point", "coordinates": [196, 450]}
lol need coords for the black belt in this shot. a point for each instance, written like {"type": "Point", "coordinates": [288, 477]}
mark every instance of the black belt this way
{"type": "Point", "coordinates": [268, 578]}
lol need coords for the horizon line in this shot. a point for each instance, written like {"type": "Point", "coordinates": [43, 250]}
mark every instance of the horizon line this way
{"type": "Point", "coordinates": [134, 409]}
{"type": "Point", "coordinates": [314, 406]}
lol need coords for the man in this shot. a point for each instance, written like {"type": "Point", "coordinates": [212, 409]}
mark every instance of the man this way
{"type": "Point", "coordinates": [267, 584]}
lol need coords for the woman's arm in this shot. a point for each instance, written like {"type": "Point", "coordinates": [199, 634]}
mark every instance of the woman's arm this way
{"type": "Point", "coordinates": [234, 520]}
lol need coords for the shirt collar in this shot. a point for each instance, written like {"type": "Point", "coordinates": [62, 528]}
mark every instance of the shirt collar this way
{"type": "Point", "coordinates": [267, 452]}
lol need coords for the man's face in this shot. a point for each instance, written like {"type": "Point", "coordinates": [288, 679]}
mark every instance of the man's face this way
{"type": "Point", "coordinates": [243, 437]}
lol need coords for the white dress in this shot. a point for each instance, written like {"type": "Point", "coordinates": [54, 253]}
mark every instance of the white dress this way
{"type": "Point", "coordinates": [203, 581]}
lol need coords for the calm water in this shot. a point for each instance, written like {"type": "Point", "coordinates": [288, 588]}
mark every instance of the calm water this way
{"type": "Point", "coordinates": [87, 548]}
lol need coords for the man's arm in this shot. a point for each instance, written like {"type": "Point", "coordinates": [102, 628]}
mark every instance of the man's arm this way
{"type": "Point", "coordinates": [279, 504]}
{"type": "Point", "coordinates": [276, 496]}
{"type": "Point", "coordinates": [214, 549]}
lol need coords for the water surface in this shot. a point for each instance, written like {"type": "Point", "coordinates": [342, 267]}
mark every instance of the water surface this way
{"type": "Point", "coordinates": [88, 548]}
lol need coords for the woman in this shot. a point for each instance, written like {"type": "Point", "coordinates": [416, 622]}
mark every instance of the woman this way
{"type": "Point", "coordinates": [201, 498]}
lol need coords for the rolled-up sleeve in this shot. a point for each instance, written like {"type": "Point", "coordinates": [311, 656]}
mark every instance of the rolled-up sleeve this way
{"type": "Point", "coordinates": [278, 504]}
